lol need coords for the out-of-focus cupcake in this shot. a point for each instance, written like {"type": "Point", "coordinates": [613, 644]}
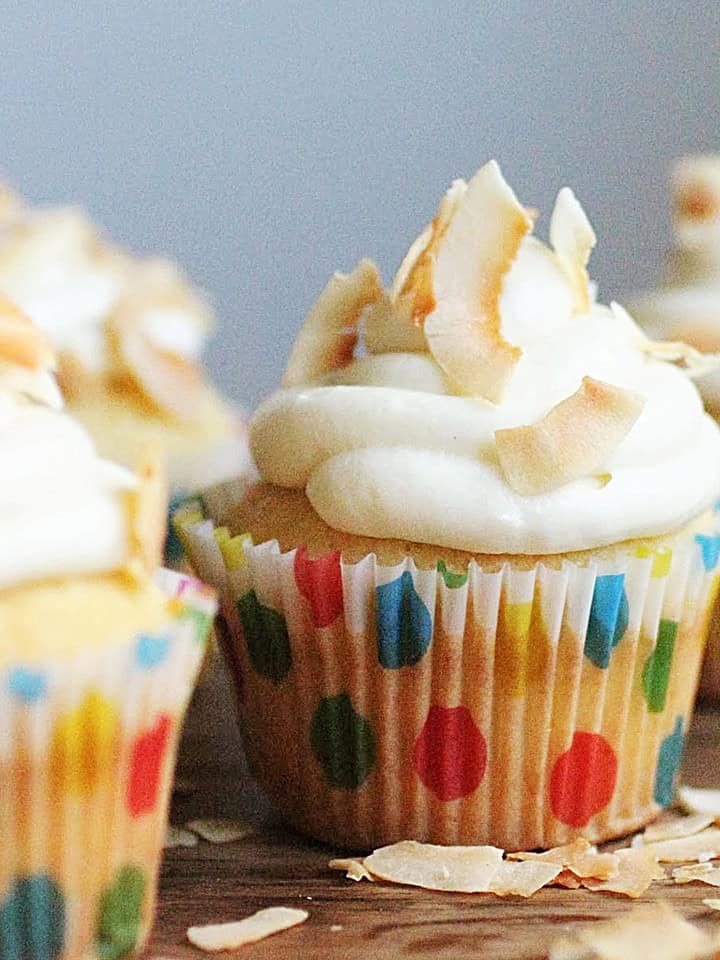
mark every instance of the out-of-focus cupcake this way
{"type": "Point", "coordinates": [686, 306]}
{"type": "Point", "coordinates": [484, 550]}
{"type": "Point", "coordinates": [129, 334]}
{"type": "Point", "coordinates": [97, 661]}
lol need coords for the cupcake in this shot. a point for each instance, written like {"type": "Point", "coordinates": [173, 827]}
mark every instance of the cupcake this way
{"type": "Point", "coordinates": [128, 333]}
{"type": "Point", "coordinates": [686, 306]}
{"type": "Point", "coordinates": [97, 662]}
{"type": "Point", "coordinates": [467, 601]}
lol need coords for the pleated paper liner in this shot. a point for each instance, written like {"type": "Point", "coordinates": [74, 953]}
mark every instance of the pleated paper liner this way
{"type": "Point", "coordinates": [512, 706]}
{"type": "Point", "coordinates": [87, 752]}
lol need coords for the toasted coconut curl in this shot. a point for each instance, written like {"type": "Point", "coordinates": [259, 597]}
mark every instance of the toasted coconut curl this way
{"type": "Point", "coordinates": [699, 800]}
{"type": "Point", "coordinates": [572, 441]}
{"type": "Point", "coordinates": [21, 342]}
{"type": "Point", "coordinates": [329, 335]}
{"type": "Point", "coordinates": [231, 936]}
{"type": "Point", "coordinates": [147, 507]}
{"type": "Point", "coordinates": [481, 241]}
{"type": "Point", "coordinates": [573, 238]}
{"type": "Point", "coordinates": [692, 361]}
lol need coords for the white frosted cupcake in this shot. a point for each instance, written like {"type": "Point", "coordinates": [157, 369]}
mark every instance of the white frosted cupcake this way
{"type": "Point", "coordinates": [98, 657]}
{"type": "Point", "coordinates": [471, 599]}
{"type": "Point", "coordinates": [129, 334]}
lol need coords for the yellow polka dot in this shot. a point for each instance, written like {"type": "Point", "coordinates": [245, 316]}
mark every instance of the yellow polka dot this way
{"type": "Point", "coordinates": [513, 633]}
{"type": "Point", "coordinates": [84, 745]}
{"type": "Point", "coordinates": [661, 560]}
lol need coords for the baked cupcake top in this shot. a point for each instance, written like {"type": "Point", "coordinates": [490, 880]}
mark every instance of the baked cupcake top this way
{"type": "Point", "coordinates": [686, 305]}
{"type": "Point", "coordinates": [495, 408]}
{"type": "Point", "coordinates": [64, 512]}
{"type": "Point", "coordinates": [120, 324]}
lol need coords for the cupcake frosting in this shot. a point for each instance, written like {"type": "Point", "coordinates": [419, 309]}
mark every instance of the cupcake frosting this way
{"type": "Point", "coordinates": [497, 409]}
{"type": "Point", "coordinates": [63, 510]}
{"type": "Point", "coordinates": [686, 306]}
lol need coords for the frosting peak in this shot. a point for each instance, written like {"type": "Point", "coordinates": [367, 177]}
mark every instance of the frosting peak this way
{"type": "Point", "coordinates": [500, 409]}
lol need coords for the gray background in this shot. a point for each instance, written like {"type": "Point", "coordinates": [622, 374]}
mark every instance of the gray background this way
{"type": "Point", "coordinates": [267, 142]}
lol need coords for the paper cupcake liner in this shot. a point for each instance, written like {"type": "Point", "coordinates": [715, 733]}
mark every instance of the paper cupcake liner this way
{"type": "Point", "coordinates": [87, 752]}
{"type": "Point", "coordinates": [513, 706]}
{"type": "Point", "coordinates": [710, 673]}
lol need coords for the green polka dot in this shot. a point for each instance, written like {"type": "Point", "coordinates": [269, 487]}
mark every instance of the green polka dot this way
{"type": "Point", "coordinates": [343, 742]}
{"type": "Point", "coordinates": [118, 925]}
{"type": "Point", "coordinates": [266, 636]}
{"type": "Point", "coordinates": [452, 580]}
{"type": "Point", "coordinates": [656, 673]}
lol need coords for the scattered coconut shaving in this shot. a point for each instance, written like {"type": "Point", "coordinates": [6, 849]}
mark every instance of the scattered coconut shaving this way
{"type": "Point", "coordinates": [637, 868]}
{"type": "Point", "coordinates": [231, 936]}
{"type": "Point", "coordinates": [697, 873]}
{"type": "Point", "coordinates": [572, 238]}
{"type": "Point", "coordinates": [178, 837]}
{"type": "Point", "coordinates": [712, 903]}
{"type": "Point", "coordinates": [220, 831]}
{"type": "Point", "coordinates": [354, 869]}
{"type": "Point", "coordinates": [329, 334]}
{"type": "Point", "coordinates": [571, 441]}
{"type": "Point", "coordinates": [702, 846]}
{"type": "Point", "coordinates": [579, 857]}
{"type": "Point", "coordinates": [478, 248]}
{"type": "Point", "coordinates": [699, 800]}
{"type": "Point", "coordinates": [652, 930]}
{"type": "Point", "coordinates": [692, 361]}
{"type": "Point", "coordinates": [21, 342]}
{"type": "Point", "coordinates": [670, 828]}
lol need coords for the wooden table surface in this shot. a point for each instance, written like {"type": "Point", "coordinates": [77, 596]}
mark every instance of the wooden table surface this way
{"type": "Point", "coordinates": [350, 921]}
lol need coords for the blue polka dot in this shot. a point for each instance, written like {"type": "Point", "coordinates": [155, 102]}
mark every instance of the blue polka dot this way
{"type": "Point", "coordinates": [27, 685]}
{"type": "Point", "coordinates": [151, 651]}
{"type": "Point", "coordinates": [32, 920]}
{"type": "Point", "coordinates": [710, 547]}
{"type": "Point", "coordinates": [609, 614]}
{"type": "Point", "coordinates": [669, 759]}
{"type": "Point", "coordinates": [404, 624]}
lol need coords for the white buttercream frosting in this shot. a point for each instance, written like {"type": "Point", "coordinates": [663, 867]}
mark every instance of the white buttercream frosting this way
{"type": "Point", "coordinates": [63, 510]}
{"type": "Point", "coordinates": [384, 448]}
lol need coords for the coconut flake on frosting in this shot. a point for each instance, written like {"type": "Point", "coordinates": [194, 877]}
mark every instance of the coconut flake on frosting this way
{"type": "Point", "coordinates": [570, 442]}
{"type": "Point", "coordinates": [573, 238]}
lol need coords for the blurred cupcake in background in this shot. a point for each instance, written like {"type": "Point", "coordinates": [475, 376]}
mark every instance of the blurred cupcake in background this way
{"type": "Point", "coordinates": [686, 305]}
{"type": "Point", "coordinates": [129, 334]}
{"type": "Point", "coordinates": [98, 656]}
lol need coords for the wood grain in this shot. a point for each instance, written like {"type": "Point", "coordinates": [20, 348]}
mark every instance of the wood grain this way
{"type": "Point", "coordinates": [209, 884]}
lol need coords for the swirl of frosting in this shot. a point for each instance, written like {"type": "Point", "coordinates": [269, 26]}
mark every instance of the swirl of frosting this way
{"type": "Point", "coordinates": [394, 445]}
{"type": "Point", "coordinates": [63, 510]}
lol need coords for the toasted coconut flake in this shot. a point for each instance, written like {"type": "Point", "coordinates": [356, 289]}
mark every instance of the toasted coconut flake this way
{"type": "Point", "coordinates": [21, 342]}
{"type": "Point", "coordinates": [712, 903]}
{"type": "Point", "coordinates": [389, 328]}
{"type": "Point", "coordinates": [705, 844]}
{"type": "Point", "coordinates": [230, 936]}
{"type": "Point", "coordinates": [459, 869]}
{"type": "Point", "coordinates": [412, 290]}
{"type": "Point", "coordinates": [329, 334]}
{"type": "Point", "coordinates": [652, 930]}
{"type": "Point", "coordinates": [692, 361]}
{"type": "Point", "coordinates": [479, 246]}
{"type": "Point", "coordinates": [353, 869]}
{"type": "Point", "coordinates": [522, 879]}
{"type": "Point", "coordinates": [699, 872]}
{"type": "Point", "coordinates": [572, 238]}
{"type": "Point", "coordinates": [168, 382]}
{"type": "Point", "coordinates": [178, 837]}
{"type": "Point", "coordinates": [147, 509]}
{"type": "Point", "coordinates": [572, 441]}
{"type": "Point", "coordinates": [637, 868]}
{"type": "Point", "coordinates": [669, 828]}
{"type": "Point", "coordinates": [566, 879]}
{"type": "Point", "coordinates": [699, 800]}
{"type": "Point", "coordinates": [579, 857]}
{"type": "Point", "coordinates": [216, 830]}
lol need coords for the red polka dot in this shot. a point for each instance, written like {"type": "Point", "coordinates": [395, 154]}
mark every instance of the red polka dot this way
{"type": "Point", "coordinates": [146, 767]}
{"type": "Point", "coordinates": [320, 582]}
{"type": "Point", "coordinates": [450, 753]}
{"type": "Point", "coordinates": [583, 779]}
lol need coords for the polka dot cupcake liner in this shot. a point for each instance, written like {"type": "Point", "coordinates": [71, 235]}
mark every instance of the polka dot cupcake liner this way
{"type": "Point", "coordinates": [710, 673]}
{"type": "Point", "coordinates": [87, 752]}
{"type": "Point", "coordinates": [515, 706]}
